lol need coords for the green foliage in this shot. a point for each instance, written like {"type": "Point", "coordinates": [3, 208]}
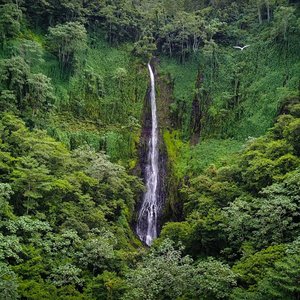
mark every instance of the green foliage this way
{"type": "Point", "coordinates": [67, 41]}
{"type": "Point", "coordinates": [41, 92]}
{"type": "Point", "coordinates": [5, 193]}
{"type": "Point", "coordinates": [279, 282]}
{"type": "Point", "coordinates": [214, 280]}
{"type": "Point", "coordinates": [251, 200]}
{"type": "Point", "coordinates": [106, 286]}
{"type": "Point", "coordinates": [285, 22]}
{"type": "Point", "coordinates": [178, 152]}
{"type": "Point", "coordinates": [98, 252]}
{"type": "Point", "coordinates": [252, 267]}
{"type": "Point", "coordinates": [66, 209]}
{"type": "Point", "coordinates": [64, 224]}
{"type": "Point", "coordinates": [183, 78]}
{"type": "Point", "coordinates": [14, 76]}
{"type": "Point", "coordinates": [8, 283]}
{"type": "Point", "coordinates": [212, 151]}
{"type": "Point", "coordinates": [178, 232]}
{"type": "Point", "coordinates": [165, 274]}
{"type": "Point", "coordinates": [145, 47]}
{"type": "Point", "coordinates": [31, 50]}
{"type": "Point", "coordinates": [101, 104]}
{"type": "Point", "coordinates": [10, 19]}
{"type": "Point", "coordinates": [28, 92]}
{"type": "Point", "coordinates": [66, 275]}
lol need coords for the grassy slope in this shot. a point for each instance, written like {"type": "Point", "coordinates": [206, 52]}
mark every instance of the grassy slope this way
{"type": "Point", "coordinates": [76, 121]}
{"type": "Point", "coordinates": [261, 69]}
{"type": "Point", "coordinates": [267, 75]}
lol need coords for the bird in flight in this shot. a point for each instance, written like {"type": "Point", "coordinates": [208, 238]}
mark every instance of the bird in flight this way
{"type": "Point", "coordinates": [241, 48]}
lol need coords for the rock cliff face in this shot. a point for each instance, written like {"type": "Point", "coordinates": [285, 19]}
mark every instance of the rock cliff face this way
{"type": "Point", "coordinates": [170, 202]}
{"type": "Point", "coordinates": [165, 88]}
{"type": "Point", "coordinates": [144, 153]}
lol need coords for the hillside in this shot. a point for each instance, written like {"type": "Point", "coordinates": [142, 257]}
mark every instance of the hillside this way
{"type": "Point", "coordinates": [76, 127]}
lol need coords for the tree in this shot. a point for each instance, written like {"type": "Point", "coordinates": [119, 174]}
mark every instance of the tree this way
{"type": "Point", "coordinates": [145, 47]}
{"type": "Point", "coordinates": [163, 274]}
{"type": "Point", "coordinates": [121, 21]}
{"type": "Point", "coordinates": [30, 181]}
{"type": "Point", "coordinates": [282, 282]}
{"type": "Point", "coordinates": [10, 17]}
{"type": "Point", "coordinates": [120, 75]}
{"type": "Point", "coordinates": [269, 219]}
{"type": "Point", "coordinates": [71, 10]}
{"type": "Point", "coordinates": [31, 51]}
{"type": "Point", "coordinates": [93, 84]}
{"type": "Point", "coordinates": [10, 248]}
{"type": "Point", "coordinates": [253, 267]}
{"type": "Point", "coordinates": [259, 4]}
{"type": "Point", "coordinates": [292, 134]}
{"type": "Point", "coordinates": [8, 100]}
{"type": "Point", "coordinates": [212, 280]}
{"type": "Point", "coordinates": [5, 194]}
{"type": "Point", "coordinates": [23, 89]}
{"type": "Point", "coordinates": [14, 73]}
{"type": "Point", "coordinates": [67, 41]}
{"type": "Point", "coordinates": [8, 283]}
{"type": "Point", "coordinates": [66, 274]}
{"type": "Point", "coordinates": [284, 22]}
{"type": "Point", "coordinates": [114, 182]}
{"type": "Point", "coordinates": [97, 252]}
{"type": "Point", "coordinates": [107, 285]}
{"type": "Point", "coordinates": [278, 282]}
{"type": "Point", "coordinates": [41, 94]}
{"type": "Point", "coordinates": [178, 232]}
{"type": "Point", "coordinates": [40, 12]}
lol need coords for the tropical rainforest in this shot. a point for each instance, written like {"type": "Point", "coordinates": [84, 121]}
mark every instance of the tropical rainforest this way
{"type": "Point", "coordinates": [73, 99]}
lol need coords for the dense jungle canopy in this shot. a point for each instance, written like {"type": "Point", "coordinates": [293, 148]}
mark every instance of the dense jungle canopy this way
{"type": "Point", "coordinates": [73, 101]}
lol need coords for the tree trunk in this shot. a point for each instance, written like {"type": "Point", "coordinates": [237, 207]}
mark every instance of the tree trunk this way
{"type": "Point", "coordinates": [259, 12]}
{"type": "Point", "coordinates": [268, 11]}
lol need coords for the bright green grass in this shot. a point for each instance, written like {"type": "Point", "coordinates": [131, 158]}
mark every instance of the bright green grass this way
{"type": "Point", "coordinates": [105, 59]}
{"type": "Point", "coordinates": [211, 151]}
{"type": "Point", "coordinates": [112, 122]}
{"type": "Point", "coordinates": [267, 74]}
{"type": "Point", "coordinates": [184, 77]}
{"type": "Point", "coordinates": [193, 160]}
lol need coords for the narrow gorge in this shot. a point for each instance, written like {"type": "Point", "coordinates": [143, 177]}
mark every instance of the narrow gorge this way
{"type": "Point", "coordinates": [151, 206]}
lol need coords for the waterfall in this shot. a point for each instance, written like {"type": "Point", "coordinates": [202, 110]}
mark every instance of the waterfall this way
{"type": "Point", "coordinates": [148, 214]}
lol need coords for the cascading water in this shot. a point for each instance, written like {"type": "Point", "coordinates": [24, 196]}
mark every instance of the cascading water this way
{"type": "Point", "coordinates": [148, 214]}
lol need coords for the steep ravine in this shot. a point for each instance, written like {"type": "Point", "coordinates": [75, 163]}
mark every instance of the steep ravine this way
{"type": "Point", "coordinates": [170, 207]}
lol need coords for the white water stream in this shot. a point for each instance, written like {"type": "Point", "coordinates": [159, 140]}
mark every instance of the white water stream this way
{"type": "Point", "coordinates": [148, 214]}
